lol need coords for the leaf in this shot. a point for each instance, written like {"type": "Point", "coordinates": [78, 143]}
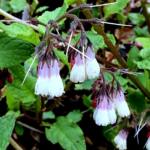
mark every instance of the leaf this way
{"type": "Point", "coordinates": [144, 41]}
{"type": "Point", "coordinates": [75, 116]}
{"type": "Point", "coordinates": [52, 15]}
{"type": "Point", "coordinates": [145, 53]}
{"type": "Point", "coordinates": [143, 64]}
{"type": "Point", "coordinates": [115, 8]}
{"type": "Point", "coordinates": [13, 51]}
{"type": "Point", "coordinates": [7, 124]}
{"type": "Point", "coordinates": [62, 57]}
{"type": "Point", "coordinates": [133, 56]}
{"type": "Point", "coordinates": [4, 4]}
{"type": "Point", "coordinates": [87, 101]}
{"type": "Point", "coordinates": [23, 95]}
{"type": "Point", "coordinates": [136, 101]}
{"type": "Point", "coordinates": [70, 2]}
{"type": "Point", "coordinates": [67, 134]}
{"type": "Point", "coordinates": [96, 40]}
{"type": "Point", "coordinates": [21, 31]}
{"type": "Point", "coordinates": [136, 18]}
{"type": "Point", "coordinates": [48, 115]}
{"type": "Point", "coordinates": [87, 85]}
{"type": "Point", "coordinates": [18, 5]}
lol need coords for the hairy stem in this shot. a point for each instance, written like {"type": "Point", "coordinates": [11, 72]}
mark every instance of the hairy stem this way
{"type": "Point", "coordinates": [15, 144]}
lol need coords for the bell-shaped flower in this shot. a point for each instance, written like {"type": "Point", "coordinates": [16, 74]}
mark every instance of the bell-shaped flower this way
{"type": "Point", "coordinates": [121, 140]}
{"type": "Point", "coordinates": [49, 82]}
{"type": "Point", "coordinates": [121, 104]}
{"type": "Point", "coordinates": [92, 66]}
{"type": "Point", "coordinates": [147, 145]}
{"type": "Point", "coordinates": [78, 73]}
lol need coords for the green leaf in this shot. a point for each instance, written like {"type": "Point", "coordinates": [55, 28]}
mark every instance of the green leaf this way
{"type": "Point", "coordinates": [87, 85]}
{"type": "Point", "coordinates": [133, 56]}
{"type": "Point", "coordinates": [21, 31]}
{"type": "Point", "coordinates": [13, 51]}
{"type": "Point", "coordinates": [7, 124]}
{"type": "Point", "coordinates": [52, 15]}
{"type": "Point", "coordinates": [67, 134]}
{"type": "Point", "coordinates": [145, 53]}
{"type": "Point", "coordinates": [23, 95]}
{"type": "Point", "coordinates": [136, 18]}
{"type": "Point", "coordinates": [115, 8]}
{"type": "Point", "coordinates": [136, 101]}
{"type": "Point", "coordinates": [62, 57]}
{"type": "Point", "coordinates": [48, 115]}
{"type": "Point", "coordinates": [144, 41]}
{"type": "Point", "coordinates": [70, 2]}
{"type": "Point", "coordinates": [87, 101]}
{"type": "Point", "coordinates": [19, 130]}
{"type": "Point", "coordinates": [141, 31]}
{"type": "Point", "coordinates": [143, 64]}
{"type": "Point", "coordinates": [75, 116]}
{"type": "Point", "coordinates": [18, 5]}
{"type": "Point", "coordinates": [4, 4]}
{"type": "Point", "coordinates": [96, 40]}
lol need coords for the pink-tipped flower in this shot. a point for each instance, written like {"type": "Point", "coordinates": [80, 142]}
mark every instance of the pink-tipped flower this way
{"type": "Point", "coordinates": [147, 145]}
{"type": "Point", "coordinates": [92, 66]}
{"type": "Point", "coordinates": [49, 82]}
{"type": "Point", "coordinates": [121, 140]}
{"type": "Point", "coordinates": [101, 113]}
{"type": "Point", "coordinates": [77, 73]}
{"type": "Point", "coordinates": [121, 104]}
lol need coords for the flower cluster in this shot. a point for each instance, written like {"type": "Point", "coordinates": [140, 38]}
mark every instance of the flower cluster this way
{"type": "Point", "coordinates": [108, 102]}
{"type": "Point", "coordinates": [85, 68]}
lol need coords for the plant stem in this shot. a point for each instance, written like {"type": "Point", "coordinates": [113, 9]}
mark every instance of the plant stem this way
{"type": "Point", "coordinates": [9, 16]}
{"type": "Point", "coordinates": [115, 51]}
{"type": "Point", "coordinates": [15, 144]}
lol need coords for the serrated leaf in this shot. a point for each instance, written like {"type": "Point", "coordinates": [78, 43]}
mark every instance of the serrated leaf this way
{"type": "Point", "coordinates": [23, 95]}
{"type": "Point", "coordinates": [75, 116]}
{"type": "Point", "coordinates": [13, 51]}
{"type": "Point", "coordinates": [144, 41]}
{"type": "Point", "coordinates": [21, 31]}
{"type": "Point", "coordinates": [7, 124]}
{"type": "Point", "coordinates": [115, 8]}
{"type": "Point", "coordinates": [52, 15]}
{"type": "Point", "coordinates": [18, 5]}
{"type": "Point", "coordinates": [67, 134]}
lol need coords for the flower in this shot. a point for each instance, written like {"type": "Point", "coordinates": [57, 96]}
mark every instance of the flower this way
{"type": "Point", "coordinates": [104, 113]}
{"type": "Point", "coordinates": [121, 140]}
{"type": "Point", "coordinates": [121, 104]}
{"type": "Point", "coordinates": [92, 66]}
{"type": "Point", "coordinates": [78, 73]}
{"type": "Point", "coordinates": [49, 82]}
{"type": "Point", "coordinates": [147, 145]}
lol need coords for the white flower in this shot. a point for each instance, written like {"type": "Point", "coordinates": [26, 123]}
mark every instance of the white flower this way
{"type": "Point", "coordinates": [77, 73]}
{"type": "Point", "coordinates": [121, 140]}
{"type": "Point", "coordinates": [101, 113]}
{"type": "Point", "coordinates": [147, 145]}
{"type": "Point", "coordinates": [112, 113]}
{"type": "Point", "coordinates": [92, 66]}
{"type": "Point", "coordinates": [49, 82]}
{"type": "Point", "coordinates": [121, 104]}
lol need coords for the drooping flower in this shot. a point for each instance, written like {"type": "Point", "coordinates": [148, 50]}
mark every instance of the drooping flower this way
{"type": "Point", "coordinates": [147, 145]}
{"type": "Point", "coordinates": [78, 73]}
{"type": "Point", "coordinates": [92, 66]}
{"type": "Point", "coordinates": [49, 82]}
{"type": "Point", "coordinates": [121, 140]}
{"type": "Point", "coordinates": [121, 104]}
{"type": "Point", "coordinates": [101, 113]}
